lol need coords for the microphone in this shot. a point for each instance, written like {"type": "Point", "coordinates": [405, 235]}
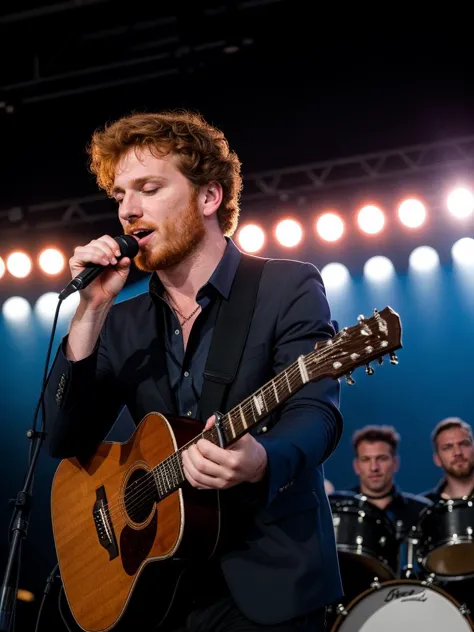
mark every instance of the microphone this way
{"type": "Point", "coordinates": [128, 248]}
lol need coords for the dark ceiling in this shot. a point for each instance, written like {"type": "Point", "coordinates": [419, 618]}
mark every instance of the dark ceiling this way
{"type": "Point", "coordinates": [289, 81]}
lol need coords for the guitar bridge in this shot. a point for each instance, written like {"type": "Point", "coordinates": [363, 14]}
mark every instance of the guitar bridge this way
{"type": "Point", "coordinates": [103, 523]}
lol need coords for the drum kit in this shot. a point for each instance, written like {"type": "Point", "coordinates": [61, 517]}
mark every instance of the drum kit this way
{"type": "Point", "coordinates": [393, 582]}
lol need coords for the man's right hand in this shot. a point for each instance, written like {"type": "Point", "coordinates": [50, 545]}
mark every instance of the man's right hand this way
{"type": "Point", "coordinates": [105, 288]}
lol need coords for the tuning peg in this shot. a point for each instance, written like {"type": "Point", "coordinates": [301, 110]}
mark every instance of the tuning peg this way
{"type": "Point", "coordinates": [361, 318]}
{"type": "Point", "coordinates": [393, 358]}
{"type": "Point", "coordinates": [369, 370]}
{"type": "Point", "coordinates": [380, 360]}
{"type": "Point", "coordinates": [349, 379]}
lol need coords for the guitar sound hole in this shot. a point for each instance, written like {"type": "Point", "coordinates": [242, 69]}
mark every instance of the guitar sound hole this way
{"type": "Point", "coordinates": [140, 495]}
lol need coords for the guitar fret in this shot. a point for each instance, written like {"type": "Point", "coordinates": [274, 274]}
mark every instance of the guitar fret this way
{"type": "Point", "coordinates": [156, 472]}
{"type": "Point", "coordinates": [174, 476]}
{"type": "Point", "coordinates": [232, 426]}
{"type": "Point", "coordinates": [242, 416]}
{"type": "Point", "coordinates": [276, 392]}
{"type": "Point", "coordinates": [250, 402]}
{"type": "Point", "coordinates": [283, 387]}
{"type": "Point", "coordinates": [287, 381]}
{"type": "Point", "coordinates": [159, 481]}
{"type": "Point", "coordinates": [167, 482]}
{"type": "Point", "coordinates": [180, 465]}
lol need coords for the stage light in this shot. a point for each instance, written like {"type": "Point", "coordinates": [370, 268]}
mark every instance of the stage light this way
{"type": "Point", "coordinates": [412, 213]}
{"type": "Point", "coordinates": [16, 309]}
{"type": "Point", "coordinates": [330, 227]}
{"type": "Point", "coordinates": [19, 265]}
{"type": "Point", "coordinates": [2, 268]}
{"type": "Point", "coordinates": [69, 305]}
{"type": "Point", "coordinates": [289, 233]}
{"type": "Point", "coordinates": [371, 220]}
{"type": "Point", "coordinates": [25, 595]}
{"type": "Point", "coordinates": [463, 251]}
{"type": "Point", "coordinates": [460, 203]}
{"type": "Point", "coordinates": [251, 238]}
{"type": "Point", "coordinates": [51, 261]}
{"type": "Point", "coordinates": [45, 307]}
{"type": "Point", "coordinates": [335, 275]}
{"type": "Point", "coordinates": [379, 269]}
{"type": "Point", "coordinates": [423, 259]}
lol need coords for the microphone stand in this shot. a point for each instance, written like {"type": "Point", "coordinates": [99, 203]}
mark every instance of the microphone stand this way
{"type": "Point", "coordinates": [22, 507]}
{"type": "Point", "coordinates": [128, 246]}
{"type": "Point", "coordinates": [19, 530]}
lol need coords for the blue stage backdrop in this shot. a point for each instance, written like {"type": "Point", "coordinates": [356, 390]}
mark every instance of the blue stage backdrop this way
{"type": "Point", "coordinates": [432, 380]}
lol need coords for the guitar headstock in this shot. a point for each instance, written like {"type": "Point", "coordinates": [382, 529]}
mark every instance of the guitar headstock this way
{"type": "Point", "coordinates": [369, 340]}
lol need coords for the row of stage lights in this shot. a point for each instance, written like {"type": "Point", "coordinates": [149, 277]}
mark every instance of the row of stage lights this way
{"type": "Point", "coordinates": [371, 220]}
{"type": "Point", "coordinates": [330, 227]}
{"type": "Point", "coordinates": [423, 260]}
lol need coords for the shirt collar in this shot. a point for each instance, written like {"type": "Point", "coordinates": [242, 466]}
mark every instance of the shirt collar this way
{"type": "Point", "coordinates": [221, 279]}
{"type": "Point", "coordinates": [396, 492]}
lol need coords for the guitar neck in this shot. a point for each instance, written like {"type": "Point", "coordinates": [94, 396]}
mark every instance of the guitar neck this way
{"type": "Point", "coordinates": [352, 347]}
{"type": "Point", "coordinates": [169, 475]}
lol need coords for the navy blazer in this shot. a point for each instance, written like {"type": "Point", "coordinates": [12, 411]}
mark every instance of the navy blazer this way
{"type": "Point", "coordinates": [288, 565]}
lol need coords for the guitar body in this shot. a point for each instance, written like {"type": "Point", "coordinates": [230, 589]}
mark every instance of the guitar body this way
{"type": "Point", "coordinates": [108, 526]}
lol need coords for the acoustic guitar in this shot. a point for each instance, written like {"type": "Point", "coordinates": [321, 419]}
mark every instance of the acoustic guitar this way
{"type": "Point", "coordinates": [128, 508]}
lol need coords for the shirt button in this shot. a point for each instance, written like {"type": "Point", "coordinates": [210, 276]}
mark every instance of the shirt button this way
{"type": "Point", "coordinates": [176, 331]}
{"type": "Point", "coordinates": [186, 374]}
{"type": "Point", "coordinates": [189, 413]}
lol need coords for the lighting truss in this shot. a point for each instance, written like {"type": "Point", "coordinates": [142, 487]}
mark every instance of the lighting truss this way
{"type": "Point", "coordinates": [272, 186]}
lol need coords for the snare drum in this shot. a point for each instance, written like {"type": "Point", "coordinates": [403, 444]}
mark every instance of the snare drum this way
{"type": "Point", "coordinates": [365, 538]}
{"type": "Point", "coordinates": [406, 605]}
{"type": "Point", "coordinates": [446, 544]}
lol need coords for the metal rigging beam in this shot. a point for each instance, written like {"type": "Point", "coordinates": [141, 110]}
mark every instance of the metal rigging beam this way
{"type": "Point", "coordinates": [273, 185]}
{"type": "Point", "coordinates": [21, 16]}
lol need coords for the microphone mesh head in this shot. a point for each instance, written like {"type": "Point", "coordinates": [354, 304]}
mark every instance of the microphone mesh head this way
{"type": "Point", "coordinates": [128, 246]}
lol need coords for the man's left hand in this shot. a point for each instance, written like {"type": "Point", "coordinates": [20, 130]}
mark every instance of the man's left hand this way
{"type": "Point", "coordinates": [207, 466]}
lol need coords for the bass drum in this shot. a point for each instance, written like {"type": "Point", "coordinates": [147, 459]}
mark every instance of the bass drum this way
{"type": "Point", "coordinates": [406, 605]}
{"type": "Point", "coordinates": [366, 542]}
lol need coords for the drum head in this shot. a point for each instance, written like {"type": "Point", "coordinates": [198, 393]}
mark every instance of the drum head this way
{"type": "Point", "coordinates": [406, 605]}
{"type": "Point", "coordinates": [446, 546]}
{"type": "Point", "coordinates": [365, 539]}
{"type": "Point", "coordinates": [453, 559]}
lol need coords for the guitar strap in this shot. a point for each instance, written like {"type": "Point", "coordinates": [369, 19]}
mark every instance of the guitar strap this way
{"type": "Point", "coordinates": [230, 335]}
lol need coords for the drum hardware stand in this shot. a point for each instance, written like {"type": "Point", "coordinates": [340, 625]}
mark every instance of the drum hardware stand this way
{"type": "Point", "coordinates": [340, 610]}
{"type": "Point", "coordinates": [408, 570]}
{"type": "Point", "coordinates": [429, 581]}
{"type": "Point", "coordinates": [376, 584]}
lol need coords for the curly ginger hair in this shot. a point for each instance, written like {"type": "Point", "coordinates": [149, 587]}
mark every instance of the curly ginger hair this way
{"type": "Point", "coordinates": [202, 152]}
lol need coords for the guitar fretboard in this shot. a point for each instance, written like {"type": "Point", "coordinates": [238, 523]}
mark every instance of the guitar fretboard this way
{"type": "Point", "coordinates": [169, 475]}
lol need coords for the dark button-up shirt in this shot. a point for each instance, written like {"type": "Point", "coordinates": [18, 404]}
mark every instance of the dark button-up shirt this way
{"type": "Point", "coordinates": [404, 510]}
{"type": "Point", "coordinates": [186, 367]}
{"type": "Point", "coordinates": [436, 493]}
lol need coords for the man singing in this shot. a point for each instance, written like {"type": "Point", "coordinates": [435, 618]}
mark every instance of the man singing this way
{"type": "Point", "coordinates": [177, 186]}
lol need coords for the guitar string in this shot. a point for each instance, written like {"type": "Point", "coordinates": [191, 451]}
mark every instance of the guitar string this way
{"type": "Point", "coordinates": [133, 498]}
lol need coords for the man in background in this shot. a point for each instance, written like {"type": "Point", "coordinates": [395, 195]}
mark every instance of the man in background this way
{"type": "Point", "coordinates": [453, 447]}
{"type": "Point", "coordinates": [376, 462]}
